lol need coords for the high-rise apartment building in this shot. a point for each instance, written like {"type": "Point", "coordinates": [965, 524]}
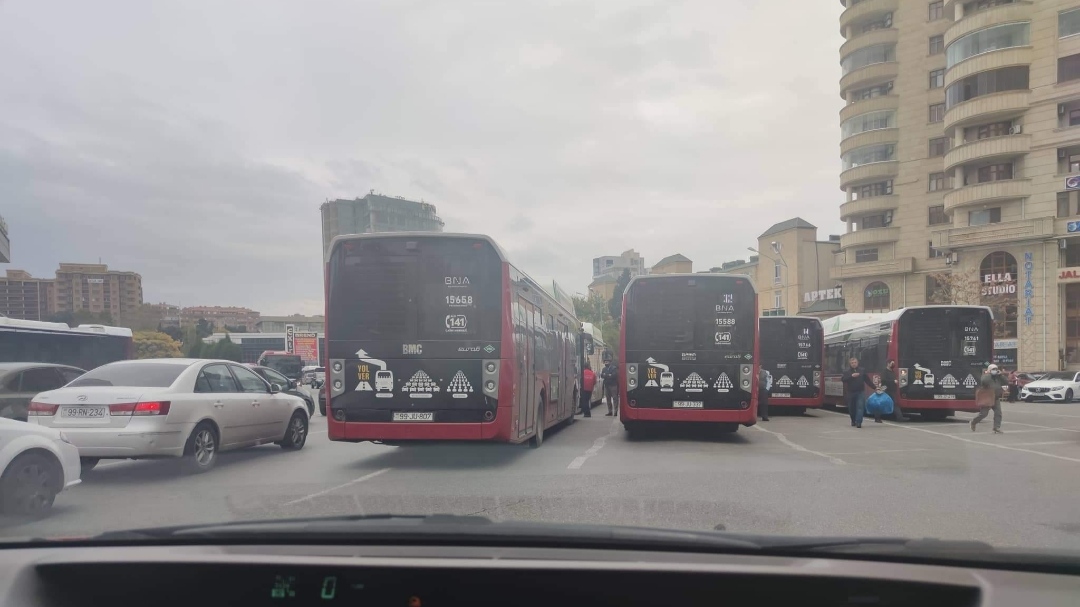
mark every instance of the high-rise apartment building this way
{"type": "Point", "coordinates": [960, 144]}
{"type": "Point", "coordinates": [97, 289]}
{"type": "Point", "coordinates": [376, 213]}
{"type": "Point", "coordinates": [24, 297]}
{"type": "Point", "coordinates": [5, 242]}
{"type": "Point", "coordinates": [613, 265]}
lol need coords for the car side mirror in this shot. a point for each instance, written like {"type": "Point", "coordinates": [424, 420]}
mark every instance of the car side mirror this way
{"type": "Point", "coordinates": [292, 384]}
{"type": "Point", "coordinates": [275, 388]}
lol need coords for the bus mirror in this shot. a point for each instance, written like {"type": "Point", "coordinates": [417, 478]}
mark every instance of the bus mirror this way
{"type": "Point", "coordinates": [589, 348]}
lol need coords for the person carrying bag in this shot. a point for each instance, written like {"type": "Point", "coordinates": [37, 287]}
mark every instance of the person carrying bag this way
{"type": "Point", "coordinates": [879, 403]}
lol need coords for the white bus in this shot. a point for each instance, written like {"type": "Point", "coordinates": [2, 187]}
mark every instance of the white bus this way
{"type": "Point", "coordinates": [84, 346]}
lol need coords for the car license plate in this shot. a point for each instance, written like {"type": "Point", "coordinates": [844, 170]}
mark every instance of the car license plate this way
{"type": "Point", "coordinates": [688, 404]}
{"type": "Point", "coordinates": [84, 412]}
{"type": "Point", "coordinates": [413, 416]}
{"type": "Point", "coordinates": [944, 397]}
{"type": "Point", "coordinates": [780, 395]}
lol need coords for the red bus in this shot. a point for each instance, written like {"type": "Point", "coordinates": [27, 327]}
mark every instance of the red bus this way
{"type": "Point", "coordinates": [793, 351]}
{"type": "Point", "coordinates": [688, 351]}
{"type": "Point", "coordinates": [435, 336]}
{"type": "Point", "coordinates": [940, 354]}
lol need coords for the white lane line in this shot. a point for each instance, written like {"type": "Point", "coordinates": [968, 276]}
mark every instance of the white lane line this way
{"type": "Point", "coordinates": [1044, 413]}
{"type": "Point", "coordinates": [366, 477]}
{"type": "Point", "coordinates": [995, 445]}
{"type": "Point", "coordinates": [798, 447]}
{"type": "Point", "coordinates": [882, 451]}
{"type": "Point", "coordinates": [597, 445]}
{"type": "Point", "coordinates": [1053, 442]}
{"type": "Point", "coordinates": [1043, 427]}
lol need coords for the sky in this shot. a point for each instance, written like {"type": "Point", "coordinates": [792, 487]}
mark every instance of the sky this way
{"type": "Point", "coordinates": [193, 141]}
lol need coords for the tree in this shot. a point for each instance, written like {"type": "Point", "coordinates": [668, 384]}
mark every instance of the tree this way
{"type": "Point", "coordinates": [615, 305]}
{"type": "Point", "coordinates": [172, 331]}
{"type": "Point", "coordinates": [592, 308]}
{"type": "Point", "coordinates": [236, 328]}
{"type": "Point", "coordinates": [226, 349]}
{"type": "Point", "coordinates": [81, 317]}
{"type": "Point", "coordinates": [204, 328]}
{"type": "Point", "coordinates": [152, 344]}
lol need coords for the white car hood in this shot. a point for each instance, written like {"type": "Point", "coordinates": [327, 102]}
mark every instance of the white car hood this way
{"type": "Point", "coordinates": [1049, 383]}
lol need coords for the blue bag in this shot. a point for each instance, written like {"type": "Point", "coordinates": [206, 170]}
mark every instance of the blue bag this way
{"type": "Point", "coordinates": [879, 402]}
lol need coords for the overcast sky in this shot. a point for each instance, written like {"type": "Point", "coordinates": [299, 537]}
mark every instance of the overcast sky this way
{"type": "Point", "coordinates": [193, 141]}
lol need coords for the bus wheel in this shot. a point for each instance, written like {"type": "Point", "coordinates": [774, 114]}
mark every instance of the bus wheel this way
{"type": "Point", "coordinates": [538, 438]}
{"type": "Point", "coordinates": [798, 411]}
{"type": "Point", "coordinates": [726, 428]}
{"type": "Point", "coordinates": [633, 430]}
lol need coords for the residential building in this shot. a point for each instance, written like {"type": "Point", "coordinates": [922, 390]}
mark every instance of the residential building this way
{"type": "Point", "coordinates": [5, 242]}
{"type": "Point", "coordinates": [673, 264]}
{"type": "Point", "coordinates": [221, 316]}
{"type": "Point", "coordinates": [615, 264]}
{"type": "Point", "coordinates": [96, 289]}
{"type": "Point", "coordinates": [303, 324]}
{"type": "Point", "coordinates": [961, 158]}
{"type": "Point", "coordinates": [604, 285]}
{"type": "Point", "coordinates": [24, 297]}
{"type": "Point", "coordinates": [376, 213]}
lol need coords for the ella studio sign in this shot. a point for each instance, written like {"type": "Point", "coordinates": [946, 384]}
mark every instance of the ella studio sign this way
{"type": "Point", "coordinates": [999, 284]}
{"type": "Point", "coordinates": [1069, 275]}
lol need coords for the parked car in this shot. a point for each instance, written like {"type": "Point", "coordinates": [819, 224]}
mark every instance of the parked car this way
{"type": "Point", "coordinates": [286, 385]}
{"type": "Point", "coordinates": [1060, 386]}
{"type": "Point", "coordinates": [171, 407]}
{"type": "Point", "coordinates": [36, 463]}
{"type": "Point", "coordinates": [19, 382]}
{"type": "Point", "coordinates": [319, 377]}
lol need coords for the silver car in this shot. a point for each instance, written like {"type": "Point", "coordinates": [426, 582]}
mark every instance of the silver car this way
{"type": "Point", "coordinates": [171, 407]}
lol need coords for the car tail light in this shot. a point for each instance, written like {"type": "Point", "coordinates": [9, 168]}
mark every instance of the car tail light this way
{"type": "Point", "coordinates": [157, 407]}
{"type": "Point", "coordinates": [121, 409]}
{"type": "Point", "coordinates": [42, 409]}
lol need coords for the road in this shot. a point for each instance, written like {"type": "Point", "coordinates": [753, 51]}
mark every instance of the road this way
{"type": "Point", "coordinates": [807, 475]}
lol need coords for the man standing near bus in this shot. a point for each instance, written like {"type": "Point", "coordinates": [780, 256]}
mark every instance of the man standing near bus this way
{"type": "Point", "coordinates": [588, 382]}
{"type": "Point", "coordinates": [610, 375]}
{"type": "Point", "coordinates": [764, 388]}
{"type": "Point", "coordinates": [855, 382]}
{"type": "Point", "coordinates": [888, 381]}
{"type": "Point", "coordinates": [988, 396]}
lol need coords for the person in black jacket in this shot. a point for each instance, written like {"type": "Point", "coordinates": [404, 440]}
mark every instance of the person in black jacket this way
{"type": "Point", "coordinates": [855, 382]}
{"type": "Point", "coordinates": [888, 380]}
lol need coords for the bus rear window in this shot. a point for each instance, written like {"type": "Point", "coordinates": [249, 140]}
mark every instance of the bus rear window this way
{"type": "Point", "coordinates": [680, 313]}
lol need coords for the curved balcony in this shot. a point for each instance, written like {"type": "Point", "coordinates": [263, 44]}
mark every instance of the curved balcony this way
{"type": "Point", "coordinates": [875, 171]}
{"type": "Point", "coordinates": [1017, 55]}
{"type": "Point", "coordinates": [866, 8]}
{"type": "Point", "coordinates": [985, 150]}
{"type": "Point", "coordinates": [885, 102]}
{"type": "Point", "coordinates": [869, 236]}
{"type": "Point", "coordinates": [865, 138]}
{"type": "Point", "coordinates": [1006, 13]}
{"type": "Point", "coordinates": [982, 193]}
{"type": "Point", "coordinates": [866, 206]}
{"type": "Point", "coordinates": [883, 36]}
{"type": "Point", "coordinates": [874, 73]}
{"type": "Point", "coordinates": [988, 108]}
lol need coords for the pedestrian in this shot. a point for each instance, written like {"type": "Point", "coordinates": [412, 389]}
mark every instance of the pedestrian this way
{"type": "Point", "coordinates": [879, 403]}
{"type": "Point", "coordinates": [855, 382]}
{"type": "Point", "coordinates": [764, 389]}
{"type": "Point", "coordinates": [1014, 386]}
{"type": "Point", "coordinates": [988, 396]}
{"type": "Point", "coordinates": [588, 382]}
{"type": "Point", "coordinates": [610, 375]}
{"type": "Point", "coordinates": [888, 381]}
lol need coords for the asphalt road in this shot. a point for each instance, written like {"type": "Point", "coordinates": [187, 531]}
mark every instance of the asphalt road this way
{"type": "Point", "coordinates": [807, 475]}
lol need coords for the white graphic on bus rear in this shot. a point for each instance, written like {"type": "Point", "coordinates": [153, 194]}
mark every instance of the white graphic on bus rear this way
{"type": "Point", "coordinates": [459, 386]}
{"type": "Point", "coordinates": [693, 383]}
{"type": "Point", "coordinates": [420, 385]}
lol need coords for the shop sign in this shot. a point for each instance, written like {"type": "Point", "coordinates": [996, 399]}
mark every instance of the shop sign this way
{"type": "Point", "coordinates": [999, 284]}
{"type": "Point", "coordinates": [1029, 289]}
{"type": "Point", "coordinates": [1069, 275]}
{"type": "Point", "coordinates": [823, 294]}
{"type": "Point", "coordinates": [1072, 183]}
{"type": "Point", "coordinates": [1005, 358]}
{"type": "Point", "coordinates": [882, 291]}
{"type": "Point", "coordinates": [1072, 226]}
{"type": "Point", "coordinates": [1006, 344]}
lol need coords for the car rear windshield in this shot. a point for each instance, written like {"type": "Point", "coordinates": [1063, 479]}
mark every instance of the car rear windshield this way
{"type": "Point", "coordinates": [131, 374]}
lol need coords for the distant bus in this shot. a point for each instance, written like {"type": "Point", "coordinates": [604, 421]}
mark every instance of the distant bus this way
{"type": "Point", "coordinates": [940, 354]}
{"type": "Point", "coordinates": [436, 336]}
{"type": "Point", "coordinates": [793, 350]}
{"type": "Point", "coordinates": [84, 346]}
{"type": "Point", "coordinates": [597, 353]}
{"type": "Point", "coordinates": [289, 365]}
{"type": "Point", "coordinates": [688, 351]}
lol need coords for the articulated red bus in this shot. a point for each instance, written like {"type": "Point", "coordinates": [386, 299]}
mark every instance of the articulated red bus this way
{"type": "Point", "coordinates": [793, 350]}
{"type": "Point", "coordinates": [940, 354]}
{"type": "Point", "coordinates": [435, 336]}
{"type": "Point", "coordinates": [688, 351]}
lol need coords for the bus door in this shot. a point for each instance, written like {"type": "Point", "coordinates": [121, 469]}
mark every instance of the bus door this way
{"type": "Point", "coordinates": [526, 410]}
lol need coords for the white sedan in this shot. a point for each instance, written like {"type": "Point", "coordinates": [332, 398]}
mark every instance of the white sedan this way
{"type": "Point", "coordinates": [36, 464]}
{"type": "Point", "coordinates": [1060, 386]}
{"type": "Point", "coordinates": [171, 407]}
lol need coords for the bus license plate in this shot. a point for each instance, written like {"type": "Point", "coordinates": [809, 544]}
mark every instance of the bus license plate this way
{"type": "Point", "coordinates": [84, 412]}
{"type": "Point", "coordinates": [944, 397]}
{"type": "Point", "coordinates": [413, 416]}
{"type": "Point", "coordinates": [689, 404]}
{"type": "Point", "coordinates": [780, 395]}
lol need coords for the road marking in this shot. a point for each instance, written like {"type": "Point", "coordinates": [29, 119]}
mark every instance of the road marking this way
{"type": "Point", "coordinates": [1038, 426]}
{"type": "Point", "coordinates": [597, 445]}
{"type": "Point", "coordinates": [798, 447]}
{"type": "Point", "coordinates": [1053, 442]}
{"type": "Point", "coordinates": [883, 451]}
{"type": "Point", "coordinates": [366, 477]}
{"type": "Point", "coordinates": [975, 442]}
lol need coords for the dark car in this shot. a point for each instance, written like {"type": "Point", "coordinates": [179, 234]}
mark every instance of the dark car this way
{"type": "Point", "coordinates": [287, 385]}
{"type": "Point", "coordinates": [20, 382]}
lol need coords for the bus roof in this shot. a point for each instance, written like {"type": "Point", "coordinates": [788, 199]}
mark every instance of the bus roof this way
{"type": "Point", "coordinates": [792, 317]}
{"type": "Point", "coordinates": [59, 327]}
{"type": "Point", "coordinates": [418, 236]}
{"type": "Point", "coordinates": [854, 320]}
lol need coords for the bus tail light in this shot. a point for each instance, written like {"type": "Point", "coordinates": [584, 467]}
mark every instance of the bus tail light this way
{"type": "Point", "coordinates": [817, 378]}
{"type": "Point", "coordinates": [337, 377]}
{"type": "Point", "coordinates": [488, 416]}
{"type": "Point", "coordinates": [491, 368]}
{"type": "Point", "coordinates": [631, 376]}
{"type": "Point", "coordinates": [746, 376]}
{"type": "Point", "coordinates": [903, 377]}
{"type": "Point", "coordinates": [44, 409]}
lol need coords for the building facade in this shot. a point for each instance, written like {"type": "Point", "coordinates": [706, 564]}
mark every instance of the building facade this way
{"type": "Point", "coordinates": [376, 213]}
{"type": "Point", "coordinates": [5, 242]}
{"type": "Point", "coordinates": [960, 146]}
{"type": "Point", "coordinates": [24, 297]}
{"type": "Point", "coordinates": [613, 265]}
{"type": "Point", "coordinates": [673, 264]}
{"type": "Point", "coordinates": [221, 316]}
{"type": "Point", "coordinates": [97, 289]}
{"type": "Point", "coordinates": [303, 324]}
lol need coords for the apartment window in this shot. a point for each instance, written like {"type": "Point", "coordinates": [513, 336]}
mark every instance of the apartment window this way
{"type": "Point", "coordinates": [778, 300]}
{"type": "Point", "coordinates": [984, 217]}
{"type": "Point", "coordinates": [937, 112]}
{"type": "Point", "coordinates": [1069, 22]}
{"type": "Point", "coordinates": [985, 83]}
{"type": "Point", "coordinates": [938, 146]}
{"type": "Point", "coordinates": [994, 38]}
{"type": "Point", "coordinates": [981, 5]}
{"type": "Point", "coordinates": [1065, 204]}
{"type": "Point", "coordinates": [878, 53]}
{"type": "Point", "coordinates": [995, 172]}
{"type": "Point", "coordinates": [1074, 163]}
{"type": "Point", "coordinates": [870, 121]}
{"type": "Point", "coordinates": [937, 10]}
{"type": "Point", "coordinates": [869, 26]}
{"type": "Point", "coordinates": [881, 188]}
{"type": "Point", "coordinates": [937, 45]}
{"type": "Point", "coordinates": [934, 253]}
{"type": "Point", "coordinates": [868, 154]}
{"type": "Point", "coordinates": [938, 182]}
{"type": "Point", "coordinates": [871, 92]}
{"type": "Point", "coordinates": [986, 131]}
{"type": "Point", "coordinates": [937, 79]}
{"type": "Point", "coordinates": [776, 272]}
{"type": "Point", "coordinates": [937, 216]}
{"type": "Point", "coordinates": [865, 255]}
{"type": "Point", "coordinates": [1074, 117]}
{"type": "Point", "coordinates": [1068, 68]}
{"type": "Point", "coordinates": [872, 221]}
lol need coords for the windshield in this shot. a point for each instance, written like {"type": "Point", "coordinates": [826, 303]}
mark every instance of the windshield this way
{"type": "Point", "coordinates": [420, 214]}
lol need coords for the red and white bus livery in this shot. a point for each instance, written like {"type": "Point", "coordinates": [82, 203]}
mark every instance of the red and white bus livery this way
{"type": "Point", "coordinates": [792, 350]}
{"type": "Point", "coordinates": [435, 336]}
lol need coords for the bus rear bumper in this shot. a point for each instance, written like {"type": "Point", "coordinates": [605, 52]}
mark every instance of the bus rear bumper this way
{"type": "Point", "coordinates": [938, 405]}
{"type": "Point", "coordinates": [411, 431]}
{"type": "Point", "coordinates": [745, 417]}
{"type": "Point", "coordinates": [809, 403]}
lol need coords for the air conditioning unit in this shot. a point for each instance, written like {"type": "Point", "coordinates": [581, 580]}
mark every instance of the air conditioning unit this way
{"type": "Point", "coordinates": [888, 87]}
{"type": "Point", "coordinates": [1016, 129]}
{"type": "Point", "coordinates": [888, 20]}
{"type": "Point", "coordinates": [1062, 153]}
